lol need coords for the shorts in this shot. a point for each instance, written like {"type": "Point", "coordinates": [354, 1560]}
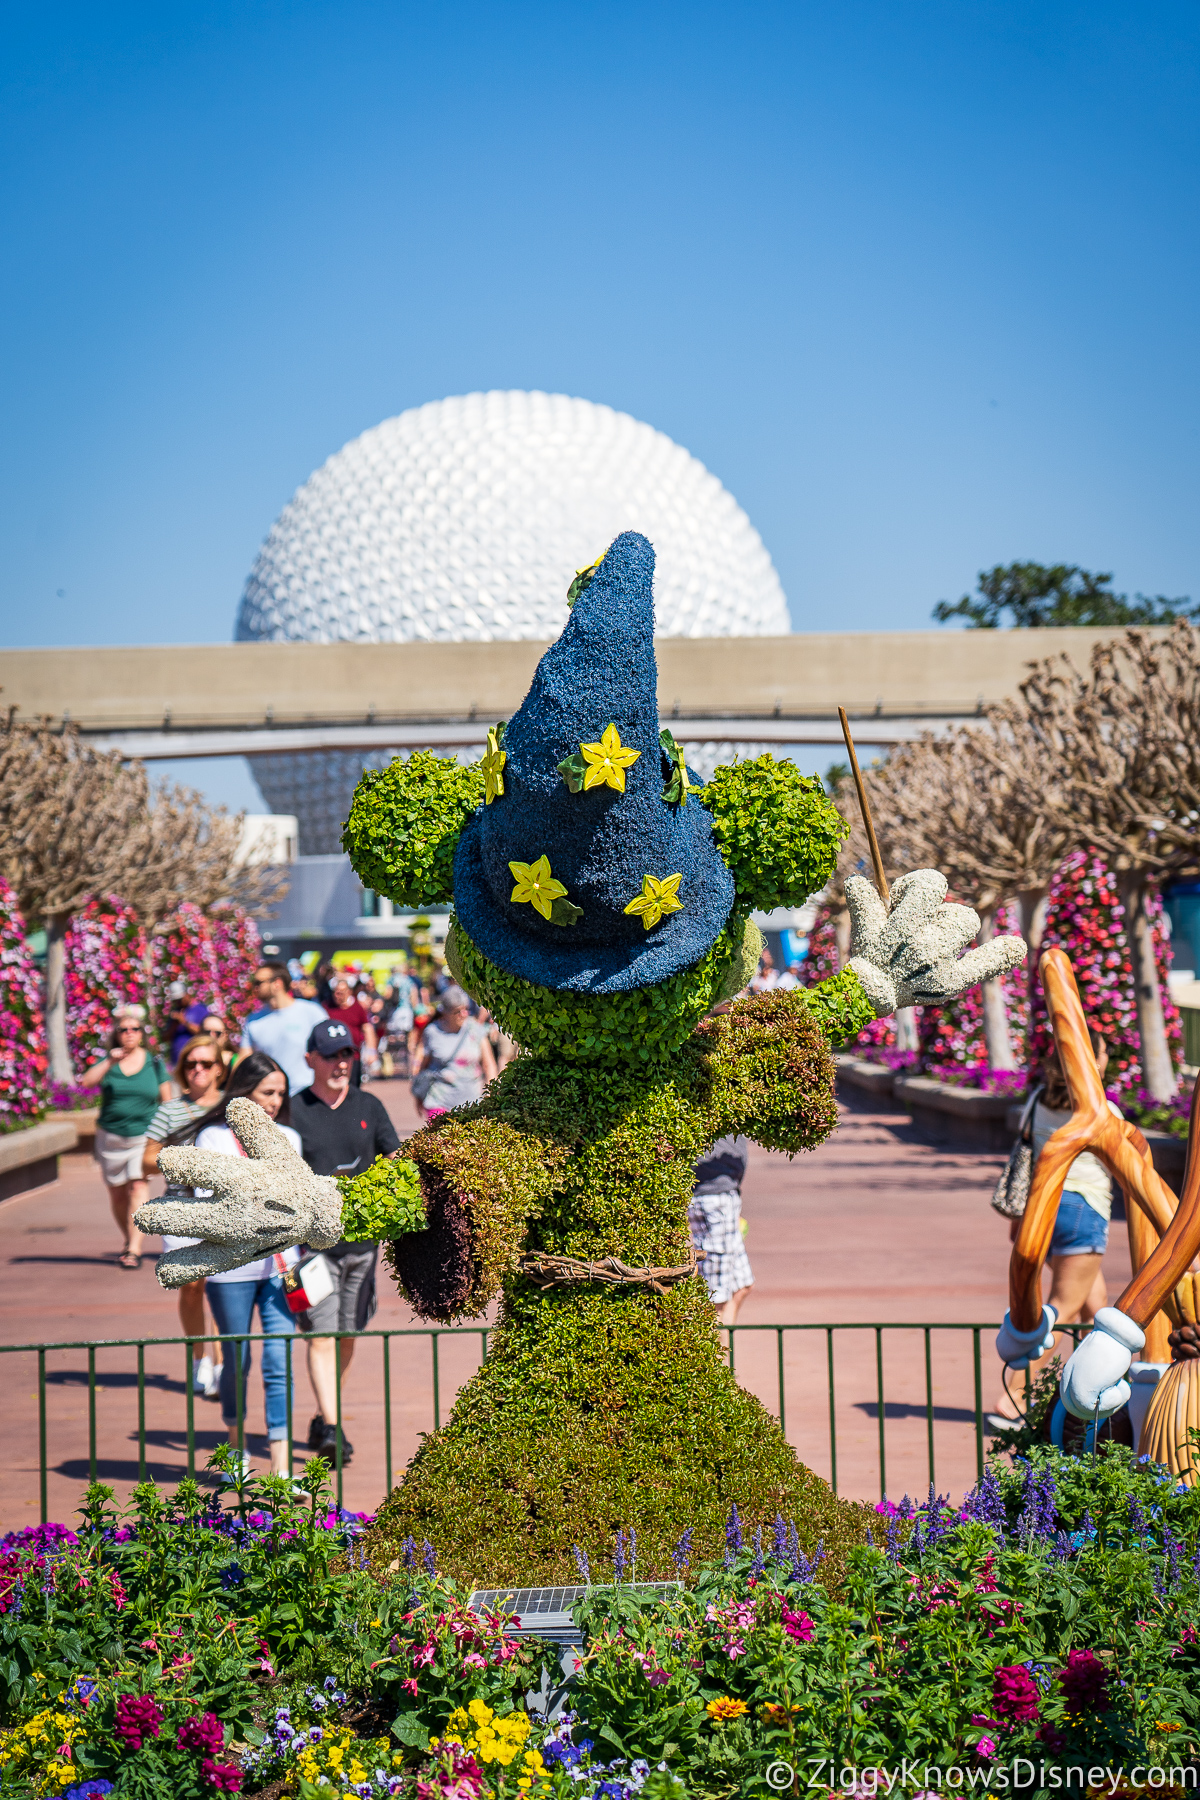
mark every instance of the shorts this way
{"type": "Point", "coordinates": [1079, 1230]}
{"type": "Point", "coordinates": [120, 1158]}
{"type": "Point", "coordinates": [716, 1226]}
{"type": "Point", "coordinates": [351, 1303]}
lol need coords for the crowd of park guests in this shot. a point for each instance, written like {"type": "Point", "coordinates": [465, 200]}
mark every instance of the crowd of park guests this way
{"type": "Point", "coordinates": [316, 1041]}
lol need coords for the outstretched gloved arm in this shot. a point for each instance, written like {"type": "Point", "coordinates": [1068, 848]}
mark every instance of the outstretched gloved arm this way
{"type": "Point", "coordinates": [246, 1207]}
{"type": "Point", "coordinates": [907, 954]}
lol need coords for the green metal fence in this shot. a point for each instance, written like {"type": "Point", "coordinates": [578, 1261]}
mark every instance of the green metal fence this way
{"type": "Point", "coordinates": [435, 1334]}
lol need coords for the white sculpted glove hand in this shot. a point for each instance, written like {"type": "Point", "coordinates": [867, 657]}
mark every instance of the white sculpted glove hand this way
{"type": "Point", "coordinates": [1095, 1375]}
{"type": "Point", "coordinates": [1019, 1348]}
{"type": "Point", "coordinates": [255, 1204]}
{"type": "Point", "coordinates": [907, 954]}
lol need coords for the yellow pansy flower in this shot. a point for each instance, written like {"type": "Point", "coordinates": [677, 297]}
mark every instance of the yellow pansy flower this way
{"type": "Point", "coordinates": [608, 760]}
{"type": "Point", "coordinates": [656, 899]}
{"type": "Point", "coordinates": [493, 766]}
{"type": "Point", "coordinates": [536, 885]}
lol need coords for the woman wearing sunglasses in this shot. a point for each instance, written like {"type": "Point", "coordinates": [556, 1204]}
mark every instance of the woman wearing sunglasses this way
{"type": "Point", "coordinates": [200, 1076]}
{"type": "Point", "coordinates": [133, 1083]}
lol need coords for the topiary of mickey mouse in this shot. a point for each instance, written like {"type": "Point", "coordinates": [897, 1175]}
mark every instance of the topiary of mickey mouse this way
{"type": "Point", "coordinates": [602, 901]}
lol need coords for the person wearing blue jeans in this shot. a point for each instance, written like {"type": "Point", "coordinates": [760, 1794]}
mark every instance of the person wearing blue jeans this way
{"type": "Point", "coordinates": [233, 1303]}
{"type": "Point", "coordinates": [234, 1294]}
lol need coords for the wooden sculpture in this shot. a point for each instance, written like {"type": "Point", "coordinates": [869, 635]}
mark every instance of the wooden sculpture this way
{"type": "Point", "coordinates": [1093, 1384]}
{"type": "Point", "coordinates": [1175, 1406]}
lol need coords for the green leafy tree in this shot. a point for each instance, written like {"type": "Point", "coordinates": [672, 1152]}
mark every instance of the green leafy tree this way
{"type": "Point", "coordinates": [1037, 594]}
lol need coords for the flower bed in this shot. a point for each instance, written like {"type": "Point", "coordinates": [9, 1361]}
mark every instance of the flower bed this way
{"type": "Point", "coordinates": [190, 1650]}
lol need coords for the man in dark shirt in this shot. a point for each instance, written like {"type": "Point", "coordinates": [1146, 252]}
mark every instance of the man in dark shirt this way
{"type": "Point", "coordinates": [342, 1131]}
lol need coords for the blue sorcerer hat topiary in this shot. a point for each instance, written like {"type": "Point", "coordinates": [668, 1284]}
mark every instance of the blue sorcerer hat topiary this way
{"type": "Point", "coordinates": [589, 867]}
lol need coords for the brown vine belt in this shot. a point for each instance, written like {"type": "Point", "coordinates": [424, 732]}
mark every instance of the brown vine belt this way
{"type": "Point", "coordinates": [569, 1271]}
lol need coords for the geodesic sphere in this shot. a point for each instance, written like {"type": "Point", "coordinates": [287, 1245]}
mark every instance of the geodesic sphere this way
{"type": "Point", "coordinates": [467, 518]}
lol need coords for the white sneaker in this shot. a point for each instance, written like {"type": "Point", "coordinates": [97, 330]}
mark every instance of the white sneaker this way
{"type": "Point", "coordinates": [203, 1379]}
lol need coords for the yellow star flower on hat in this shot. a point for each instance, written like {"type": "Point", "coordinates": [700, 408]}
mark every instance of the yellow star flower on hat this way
{"type": "Point", "coordinates": [536, 885]}
{"type": "Point", "coordinates": [656, 899]}
{"type": "Point", "coordinates": [608, 760]}
{"type": "Point", "coordinates": [493, 765]}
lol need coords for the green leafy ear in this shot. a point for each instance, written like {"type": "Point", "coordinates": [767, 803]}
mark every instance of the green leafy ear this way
{"type": "Point", "coordinates": [776, 829]}
{"type": "Point", "coordinates": [404, 823]}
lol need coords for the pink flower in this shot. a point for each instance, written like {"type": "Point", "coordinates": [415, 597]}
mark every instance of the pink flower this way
{"type": "Point", "coordinates": [423, 1657]}
{"type": "Point", "coordinates": [139, 1716]}
{"type": "Point", "coordinates": [225, 1777]}
{"type": "Point", "coordinates": [798, 1625]}
{"type": "Point", "coordinates": [1084, 1682]}
{"type": "Point", "coordinates": [205, 1733]}
{"type": "Point", "coordinates": [657, 1677]}
{"type": "Point", "coordinates": [474, 1661]}
{"type": "Point", "coordinates": [985, 1747]}
{"type": "Point", "coordinates": [1015, 1694]}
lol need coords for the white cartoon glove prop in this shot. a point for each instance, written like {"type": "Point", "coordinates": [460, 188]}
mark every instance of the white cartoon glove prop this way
{"type": "Point", "coordinates": [1094, 1377]}
{"type": "Point", "coordinates": [1019, 1348]}
{"type": "Point", "coordinates": [244, 1207]}
{"type": "Point", "coordinates": [908, 954]}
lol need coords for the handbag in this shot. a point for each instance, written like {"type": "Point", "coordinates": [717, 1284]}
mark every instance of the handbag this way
{"type": "Point", "coordinates": [422, 1082]}
{"type": "Point", "coordinates": [309, 1281]}
{"type": "Point", "coordinates": [1012, 1188]}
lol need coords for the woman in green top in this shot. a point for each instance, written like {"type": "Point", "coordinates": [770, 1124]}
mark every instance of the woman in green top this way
{"type": "Point", "coordinates": [132, 1084]}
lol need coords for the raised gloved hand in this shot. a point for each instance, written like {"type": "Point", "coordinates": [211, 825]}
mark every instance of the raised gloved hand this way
{"type": "Point", "coordinates": [1019, 1348]}
{"type": "Point", "coordinates": [907, 954]}
{"type": "Point", "coordinates": [245, 1207]}
{"type": "Point", "coordinates": [1094, 1378]}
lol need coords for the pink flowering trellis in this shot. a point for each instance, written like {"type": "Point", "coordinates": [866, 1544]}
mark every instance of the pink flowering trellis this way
{"type": "Point", "coordinates": [238, 945]}
{"type": "Point", "coordinates": [821, 960]}
{"type": "Point", "coordinates": [214, 957]}
{"type": "Point", "coordinates": [105, 967]}
{"type": "Point", "coordinates": [24, 1061]}
{"type": "Point", "coordinates": [1084, 917]}
{"type": "Point", "coordinates": [951, 1036]}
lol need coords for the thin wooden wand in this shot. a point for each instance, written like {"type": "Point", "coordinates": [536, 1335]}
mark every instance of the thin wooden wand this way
{"type": "Point", "coordinates": [865, 808]}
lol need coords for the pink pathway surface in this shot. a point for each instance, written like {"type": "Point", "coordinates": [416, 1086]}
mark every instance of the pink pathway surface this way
{"type": "Point", "coordinates": [876, 1226]}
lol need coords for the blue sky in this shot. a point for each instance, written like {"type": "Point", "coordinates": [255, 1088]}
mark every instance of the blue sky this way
{"type": "Point", "coordinates": [916, 281]}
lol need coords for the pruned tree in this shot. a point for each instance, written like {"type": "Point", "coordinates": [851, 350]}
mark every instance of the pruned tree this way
{"type": "Point", "coordinates": [76, 821]}
{"type": "Point", "coordinates": [1122, 746]}
{"type": "Point", "coordinates": [71, 818]}
{"type": "Point", "coordinates": [973, 804]}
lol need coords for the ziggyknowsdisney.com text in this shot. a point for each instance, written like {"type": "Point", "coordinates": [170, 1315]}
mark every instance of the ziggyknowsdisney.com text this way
{"type": "Point", "coordinates": [923, 1781]}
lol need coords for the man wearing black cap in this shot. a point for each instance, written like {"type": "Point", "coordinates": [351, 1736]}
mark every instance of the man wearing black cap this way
{"type": "Point", "coordinates": [342, 1131]}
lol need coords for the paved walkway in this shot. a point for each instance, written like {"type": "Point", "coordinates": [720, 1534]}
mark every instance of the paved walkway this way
{"type": "Point", "coordinates": [875, 1226]}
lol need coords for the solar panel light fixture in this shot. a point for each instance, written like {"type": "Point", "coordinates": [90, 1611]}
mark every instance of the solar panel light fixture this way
{"type": "Point", "coordinates": [546, 1612]}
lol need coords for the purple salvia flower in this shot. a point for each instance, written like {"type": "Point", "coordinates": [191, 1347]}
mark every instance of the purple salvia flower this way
{"type": "Point", "coordinates": [581, 1563]}
{"type": "Point", "coordinates": [632, 1554]}
{"type": "Point", "coordinates": [793, 1543]}
{"type": "Point", "coordinates": [408, 1553]}
{"type": "Point", "coordinates": [428, 1559]}
{"type": "Point", "coordinates": [1137, 1518]}
{"type": "Point", "coordinates": [779, 1546]}
{"type": "Point", "coordinates": [619, 1557]}
{"type": "Point", "coordinates": [758, 1552]}
{"type": "Point", "coordinates": [893, 1540]}
{"type": "Point", "coordinates": [681, 1555]}
{"type": "Point", "coordinates": [733, 1529]}
{"type": "Point", "coordinates": [985, 1502]}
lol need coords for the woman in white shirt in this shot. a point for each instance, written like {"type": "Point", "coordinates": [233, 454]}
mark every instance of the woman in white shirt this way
{"type": "Point", "coordinates": [234, 1295]}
